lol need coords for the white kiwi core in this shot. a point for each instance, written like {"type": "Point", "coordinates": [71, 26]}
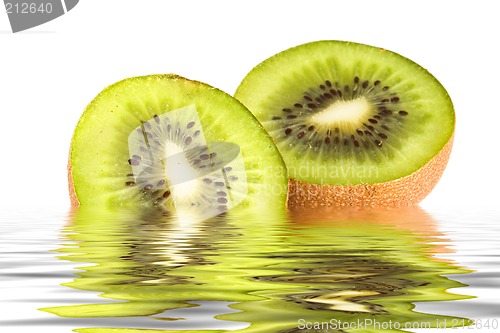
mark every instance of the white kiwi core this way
{"type": "Point", "coordinates": [347, 114]}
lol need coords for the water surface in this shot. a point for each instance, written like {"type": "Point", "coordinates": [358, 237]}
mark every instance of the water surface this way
{"type": "Point", "coordinates": [297, 271]}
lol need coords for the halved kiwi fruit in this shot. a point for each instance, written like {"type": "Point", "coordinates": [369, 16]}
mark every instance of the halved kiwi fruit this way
{"type": "Point", "coordinates": [163, 140]}
{"type": "Point", "coordinates": [355, 124]}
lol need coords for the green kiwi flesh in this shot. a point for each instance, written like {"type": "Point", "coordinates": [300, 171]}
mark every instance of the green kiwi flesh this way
{"type": "Point", "coordinates": [343, 113]}
{"type": "Point", "coordinates": [118, 144]}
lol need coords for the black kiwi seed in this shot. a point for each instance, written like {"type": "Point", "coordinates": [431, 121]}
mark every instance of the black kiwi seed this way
{"type": "Point", "coordinates": [166, 194]}
{"type": "Point", "coordinates": [298, 105]}
{"type": "Point", "coordinates": [196, 133]}
{"type": "Point", "coordinates": [311, 128]}
{"type": "Point", "coordinates": [222, 200]}
{"type": "Point", "coordinates": [188, 140]}
{"type": "Point", "coordinates": [227, 169]}
{"type": "Point", "coordinates": [207, 180]}
{"type": "Point", "coordinates": [148, 187]}
{"type": "Point", "coordinates": [161, 182]}
{"type": "Point", "coordinates": [156, 118]}
{"type": "Point", "coordinates": [288, 131]}
{"type": "Point", "coordinates": [221, 194]}
{"type": "Point", "coordinates": [204, 157]}
{"type": "Point", "coordinates": [292, 116]}
{"type": "Point", "coordinates": [190, 124]}
{"type": "Point", "coordinates": [378, 143]}
{"type": "Point", "coordinates": [219, 183]}
{"type": "Point", "coordinates": [365, 84]}
{"type": "Point", "coordinates": [133, 161]}
{"type": "Point", "coordinates": [129, 183]}
{"type": "Point", "coordinates": [300, 135]}
{"type": "Point", "coordinates": [276, 118]}
{"type": "Point", "coordinates": [403, 113]}
{"type": "Point", "coordinates": [327, 140]}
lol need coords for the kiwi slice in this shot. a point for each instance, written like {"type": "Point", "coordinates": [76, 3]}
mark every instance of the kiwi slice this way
{"type": "Point", "coordinates": [355, 124]}
{"type": "Point", "coordinates": [163, 140]}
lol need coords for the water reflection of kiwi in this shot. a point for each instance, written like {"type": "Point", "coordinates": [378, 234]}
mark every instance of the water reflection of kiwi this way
{"type": "Point", "coordinates": [387, 275]}
{"type": "Point", "coordinates": [275, 269]}
{"type": "Point", "coordinates": [135, 255]}
{"type": "Point", "coordinates": [355, 263]}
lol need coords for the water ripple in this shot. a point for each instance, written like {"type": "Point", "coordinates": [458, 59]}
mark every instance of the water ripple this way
{"type": "Point", "coordinates": [244, 271]}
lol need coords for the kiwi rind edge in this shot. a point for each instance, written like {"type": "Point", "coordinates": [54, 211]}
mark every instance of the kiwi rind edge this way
{"type": "Point", "coordinates": [405, 191]}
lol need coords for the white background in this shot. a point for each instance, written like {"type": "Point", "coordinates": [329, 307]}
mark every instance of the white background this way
{"type": "Point", "coordinates": [49, 73]}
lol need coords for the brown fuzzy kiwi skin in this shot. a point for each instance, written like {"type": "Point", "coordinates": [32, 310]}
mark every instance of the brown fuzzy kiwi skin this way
{"type": "Point", "coordinates": [405, 191]}
{"type": "Point", "coordinates": [71, 187]}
